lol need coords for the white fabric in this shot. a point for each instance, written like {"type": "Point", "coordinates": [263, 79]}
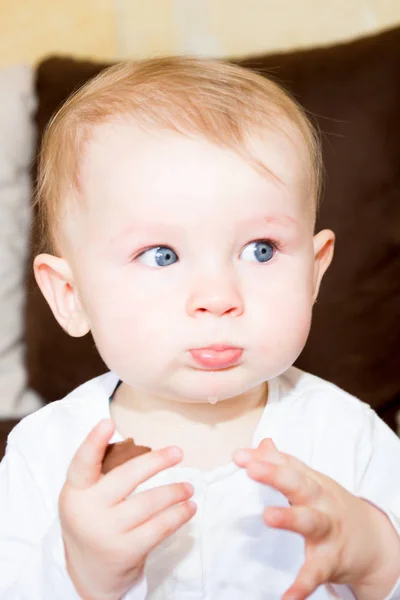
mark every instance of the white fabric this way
{"type": "Point", "coordinates": [225, 552]}
{"type": "Point", "coordinates": [16, 153]}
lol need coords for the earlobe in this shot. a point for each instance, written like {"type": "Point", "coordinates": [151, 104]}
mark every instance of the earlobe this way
{"type": "Point", "coordinates": [324, 243]}
{"type": "Point", "coordinates": [55, 280]}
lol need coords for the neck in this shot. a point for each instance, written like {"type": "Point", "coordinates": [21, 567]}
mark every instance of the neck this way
{"type": "Point", "coordinates": [170, 411]}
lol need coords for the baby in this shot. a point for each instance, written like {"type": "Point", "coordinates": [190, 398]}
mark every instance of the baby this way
{"type": "Point", "coordinates": [178, 198]}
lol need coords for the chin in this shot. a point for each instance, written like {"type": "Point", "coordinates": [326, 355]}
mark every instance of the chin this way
{"type": "Point", "coordinates": [216, 386]}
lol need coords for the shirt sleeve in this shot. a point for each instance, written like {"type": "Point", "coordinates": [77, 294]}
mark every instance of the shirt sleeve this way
{"type": "Point", "coordinates": [32, 558]}
{"type": "Point", "coordinates": [395, 593]}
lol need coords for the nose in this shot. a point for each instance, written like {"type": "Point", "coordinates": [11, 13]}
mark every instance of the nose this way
{"type": "Point", "coordinates": [218, 296]}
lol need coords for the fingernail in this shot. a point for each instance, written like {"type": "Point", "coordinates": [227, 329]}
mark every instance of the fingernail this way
{"type": "Point", "coordinates": [174, 452]}
{"type": "Point", "coordinates": [189, 488]}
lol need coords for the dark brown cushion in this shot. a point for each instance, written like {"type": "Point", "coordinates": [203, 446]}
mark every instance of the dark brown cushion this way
{"type": "Point", "coordinates": [353, 91]}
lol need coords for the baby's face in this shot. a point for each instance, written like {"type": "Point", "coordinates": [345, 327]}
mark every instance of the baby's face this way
{"type": "Point", "coordinates": [180, 244]}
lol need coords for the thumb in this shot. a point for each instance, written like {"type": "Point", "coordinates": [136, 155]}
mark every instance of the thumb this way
{"type": "Point", "coordinates": [268, 451]}
{"type": "Point", "coordinates": [85, 468]}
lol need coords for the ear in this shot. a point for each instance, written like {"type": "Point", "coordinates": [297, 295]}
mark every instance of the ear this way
{"type": "Point", "coordinates": [54, 278]}
{"type": "Point", "coordinates": [324, 243]}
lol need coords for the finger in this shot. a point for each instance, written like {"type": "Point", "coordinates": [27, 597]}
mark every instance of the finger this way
{"type": "Point", "coordinates": [266, 451]}
{"type": "Point", "coordinates": [141, 507]}
{"type": "Point", "coordinates": [85, 468]}
{"type": "Point", "coordinates": [308, 522]}
{"type": "Point", "coordinates": [119, 483]}
{"type": "Point", "coordinates": [270, 453]}
{"type": "Point", "coordinates": [298, 487]}
{"type": "Point", "coordinates": [307, 581]}
{"type": "Point", "coordinates": [242, 457]}
{"type": "Point", "coordinates": [149, 535]}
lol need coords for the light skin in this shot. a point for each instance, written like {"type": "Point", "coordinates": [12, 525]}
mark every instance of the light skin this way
{"type": "Point", "coordinates": [337, 526]}
{"type": "Point", "coordinates": [215, 216]}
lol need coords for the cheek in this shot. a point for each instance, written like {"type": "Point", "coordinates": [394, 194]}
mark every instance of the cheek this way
{"type": "Point", "coordinates": [283, 307]}
{"type": "Point", "coordinates": [129, 321]}
{"type": "Point", "coordinates": [288, 323]}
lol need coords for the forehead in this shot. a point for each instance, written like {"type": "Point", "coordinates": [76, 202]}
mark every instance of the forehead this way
{"type": "Point", "coordinates": [131, 173]}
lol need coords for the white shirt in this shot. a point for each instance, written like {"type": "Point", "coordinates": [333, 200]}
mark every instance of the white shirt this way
{"type": "Point", "coordinates": [225, 552]}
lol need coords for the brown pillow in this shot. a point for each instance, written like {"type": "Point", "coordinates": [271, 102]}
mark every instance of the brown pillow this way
{"type": "Point", "coordinates": [56, 363]}
{"type": "Point", "coordinates": [353, 91]}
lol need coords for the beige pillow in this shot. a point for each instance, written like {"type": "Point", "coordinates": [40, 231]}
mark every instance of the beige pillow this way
{"type": "Point", "coordinates": [17, 138]}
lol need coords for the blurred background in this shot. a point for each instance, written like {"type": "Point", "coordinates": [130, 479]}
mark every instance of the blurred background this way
{"type": "Point", "coordinates": [111, 29]}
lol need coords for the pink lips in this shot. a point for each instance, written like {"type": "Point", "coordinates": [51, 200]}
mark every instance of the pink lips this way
{"type": "Point", "coordinates": [217, 356]}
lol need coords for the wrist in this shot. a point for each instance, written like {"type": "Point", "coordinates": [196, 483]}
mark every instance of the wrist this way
{"type": "Point", "coordinates": [84, 589]}
{"type": "Point", "coordinates": [383, 569]}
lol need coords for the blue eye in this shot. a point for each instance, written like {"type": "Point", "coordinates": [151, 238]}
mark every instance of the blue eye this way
{"type": "Point", "coordinates": [160, 256]}
{"type": "Point", "coordinates": [261, 251]}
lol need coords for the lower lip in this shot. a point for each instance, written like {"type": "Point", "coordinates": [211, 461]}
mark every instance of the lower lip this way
{"type": "Point", "coordinates": [216, 359]}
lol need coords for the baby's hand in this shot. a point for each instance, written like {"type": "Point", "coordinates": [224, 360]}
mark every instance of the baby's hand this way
{"type": "Point", "coordinates": [107, 534]}
{"type": "Point", "coordinates": [346, 539]}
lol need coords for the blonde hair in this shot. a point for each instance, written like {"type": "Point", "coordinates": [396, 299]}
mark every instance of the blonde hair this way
{"type": "Point", "coordinates": [219, 101]}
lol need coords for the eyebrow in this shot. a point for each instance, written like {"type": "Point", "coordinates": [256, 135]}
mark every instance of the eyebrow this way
{"type": "Point", "coordinates": [160, 229]}
{"type": "Point", "coordinates": [151, 229]}
{"type": "Point", "coordinates": [282, 220]}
